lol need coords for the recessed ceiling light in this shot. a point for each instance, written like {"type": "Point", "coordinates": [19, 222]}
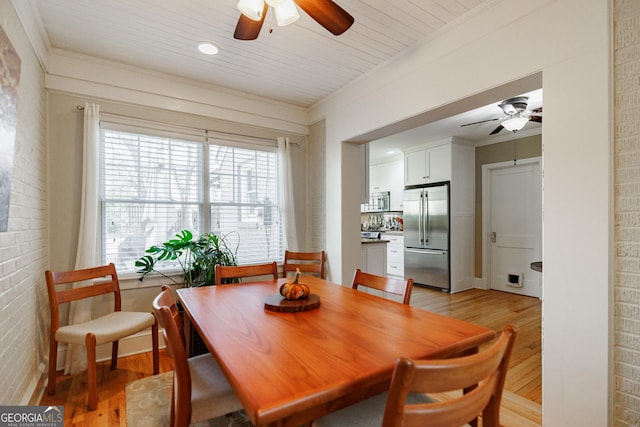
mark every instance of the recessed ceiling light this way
{"type": "Point", "coordinates": [391, 152]}
{"type": "Point", "coordinates": [208, 48]}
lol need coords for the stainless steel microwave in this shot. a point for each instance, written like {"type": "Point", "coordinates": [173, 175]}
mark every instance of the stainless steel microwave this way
{"type": "Point", "coordinates": [378, 202]}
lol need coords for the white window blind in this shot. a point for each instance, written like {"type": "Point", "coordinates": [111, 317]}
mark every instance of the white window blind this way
{"type": "Point", "coordinates": [154, 185]}
{"type": "Point", "coordinates": [244, 199]}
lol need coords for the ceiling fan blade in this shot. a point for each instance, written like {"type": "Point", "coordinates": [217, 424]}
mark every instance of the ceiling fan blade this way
{"type": "Point", "coordinates": [248, 29]}
{"type": "Point", "coordinates": [481, 121]}
{"type": "Point", "coordinates": [496, 130]}
{"type": "Point", "coordinates": [328, 14]}
{"type": "Point", "coordinates": [537, 119]}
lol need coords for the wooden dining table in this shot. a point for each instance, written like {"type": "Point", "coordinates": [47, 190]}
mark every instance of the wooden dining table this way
{"type": "Point", "coordinates": [288, 368]}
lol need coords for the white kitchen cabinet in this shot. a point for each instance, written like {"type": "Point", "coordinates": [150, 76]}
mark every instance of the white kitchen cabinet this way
{"type": "Point", "coordinates": [377, 183]}
{"type": "Point", "coordinates": [396, 185]}
{"type": "Point", "coordinates": [395, 255]}
{"type": "Point", "coordinates": [428, 164]}
{"type": "Point", "coordinates": [389, 177]}
{"type": "Point", "coordinates": [380, 176]}
{"type": "Point", "coordinates": [374, 258]}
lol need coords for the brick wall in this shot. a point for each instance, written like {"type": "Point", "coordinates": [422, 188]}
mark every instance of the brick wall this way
{"type": "Point", "coordinates": [627, 212]}
{"type": "Point", "coordinates": [23, 248]}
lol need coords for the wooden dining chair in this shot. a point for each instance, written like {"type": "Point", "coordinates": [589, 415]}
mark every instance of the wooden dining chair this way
{"type": "Point", "coordinates": [226, 272]}
{"type": "Point", "coordinates": [481, 375]}
{"type": "Point", "coordinates": [392, 286]}
{"type": "Point", "coordinates": [200, 389]}
{"type": "Point", "coordinates": [306, 262]}
{"type": "Point", "coordinates": [100, 330]}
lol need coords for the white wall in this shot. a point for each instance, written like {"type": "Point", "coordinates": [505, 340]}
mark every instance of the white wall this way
{"type": "Point", "coordinates": [98, 78]}
{"type": "Point", "coordinates": [24, 316]}
{"type": "Point", "coordinates": [569, 42]}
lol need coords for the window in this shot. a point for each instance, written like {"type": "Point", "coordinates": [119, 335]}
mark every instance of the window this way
{"type": "Point", "coordinates": [154, 186]}
{"type": "Point", "coordinates": [242, 201]}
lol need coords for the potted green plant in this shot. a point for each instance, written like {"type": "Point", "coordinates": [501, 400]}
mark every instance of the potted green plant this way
{"type": "Point", "coordinates": [196, 257]}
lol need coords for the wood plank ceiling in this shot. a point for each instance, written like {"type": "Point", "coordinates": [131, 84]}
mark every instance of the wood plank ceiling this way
{"type": "Point", "coordinates": [299, 64]}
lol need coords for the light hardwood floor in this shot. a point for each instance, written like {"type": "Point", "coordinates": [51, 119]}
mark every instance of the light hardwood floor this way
{"type": "Point", "coordinates": [71, 391]}
{"type": "Point", "coordinates": [522, 396]}
{"type": "Point", "coordinates": [521, 399]}
{"type": "Point", "coordinates": [495, 309]}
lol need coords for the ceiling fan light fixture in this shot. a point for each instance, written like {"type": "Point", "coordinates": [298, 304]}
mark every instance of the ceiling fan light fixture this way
{"type": "Point", "coordinates": [515, 123]}
{"type": "Point", "coordinates": [252, 9]}
{"type": "Point", "coordinates": [286, 12]}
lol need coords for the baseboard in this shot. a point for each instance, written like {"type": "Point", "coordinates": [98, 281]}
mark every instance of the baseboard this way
{"type": "Point", "coordinates": [467, 284]}
{"type": "Point", "coordinates": [133, 344]}
{"type": "Point", "coordinates": [479, 283]}
{"type": "Point", "coordinates": [35, 389]}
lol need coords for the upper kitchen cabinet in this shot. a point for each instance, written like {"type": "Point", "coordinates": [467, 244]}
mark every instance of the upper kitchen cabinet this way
{"type": "Point", "coordinates": [378, 179]}
{"type": "Point", "coordinates": [428, 164]}
{"type": "Point", "coordinates": [389, 177]}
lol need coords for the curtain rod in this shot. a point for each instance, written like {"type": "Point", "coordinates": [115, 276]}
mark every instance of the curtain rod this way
{"type": "Point", "coordinates": [81, 108]}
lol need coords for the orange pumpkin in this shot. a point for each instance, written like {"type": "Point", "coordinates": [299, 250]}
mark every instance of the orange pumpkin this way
{"type": "Point", "coordinates": [294, 291]}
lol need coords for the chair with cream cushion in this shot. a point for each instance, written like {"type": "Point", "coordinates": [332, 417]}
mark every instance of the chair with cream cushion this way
{"type": "Point", "coordinates": [482, 375]}
{"type": "Point", "coordinates": [200, 390]}
{"type": "Point", "coordinates": [402, 288]}
{"type": "Point", "coordinates": [105, 329]}
{"type": "Point", "coordinates": [238, 271]}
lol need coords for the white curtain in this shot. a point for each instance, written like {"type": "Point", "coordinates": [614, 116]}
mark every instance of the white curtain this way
{"type": "Point", "coordinates": [88, 254]}
{"type": "Point", "coordinates": [286, 195]}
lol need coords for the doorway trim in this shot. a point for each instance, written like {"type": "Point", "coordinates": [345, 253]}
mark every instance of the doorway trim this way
{"type": "Point", "coordinates": [486, 214]}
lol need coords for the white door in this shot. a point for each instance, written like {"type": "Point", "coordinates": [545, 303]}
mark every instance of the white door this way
{"type": "Point", "coordinates": [515, 232]}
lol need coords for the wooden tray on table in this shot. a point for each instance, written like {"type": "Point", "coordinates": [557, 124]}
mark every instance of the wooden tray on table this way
{"type": "Point", "coordinates": [280, 304]}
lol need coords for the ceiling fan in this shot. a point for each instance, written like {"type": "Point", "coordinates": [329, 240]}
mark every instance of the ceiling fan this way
{"type": "Point", "coordinates": [516, 109]}
{"type": "Point", "coordinates": [327, 13]}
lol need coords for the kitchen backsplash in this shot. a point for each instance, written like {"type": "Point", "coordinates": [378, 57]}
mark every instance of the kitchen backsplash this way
{"type": "Point", "coordinates": [381, 221]}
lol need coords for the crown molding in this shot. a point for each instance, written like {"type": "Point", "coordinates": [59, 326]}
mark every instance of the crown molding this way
{"type": "Point", "coordinates": [31, 21]}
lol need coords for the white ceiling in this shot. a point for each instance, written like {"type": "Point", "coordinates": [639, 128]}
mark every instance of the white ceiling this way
{"type": "Point", "coordinates": [299, 64]}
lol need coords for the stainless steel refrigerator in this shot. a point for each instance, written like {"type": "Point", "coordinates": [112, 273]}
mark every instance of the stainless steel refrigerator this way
{"type": "Point", "coordinates": [426, 235]}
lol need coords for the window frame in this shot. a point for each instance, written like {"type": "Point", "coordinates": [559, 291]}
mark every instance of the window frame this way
{"type": "Point", "coordinates": [206, 139]}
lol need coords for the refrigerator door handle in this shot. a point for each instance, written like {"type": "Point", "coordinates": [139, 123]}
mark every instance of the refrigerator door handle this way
{"type": "Point", "coordinates": [426, 251]}
{"type": "Point", "coordinates": [421, 220]}
{"type": "Point", "coordinates": [426, 216]}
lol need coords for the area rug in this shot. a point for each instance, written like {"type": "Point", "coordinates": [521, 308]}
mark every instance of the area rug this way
{"type": "Point", "coordinates": [148, 401]}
